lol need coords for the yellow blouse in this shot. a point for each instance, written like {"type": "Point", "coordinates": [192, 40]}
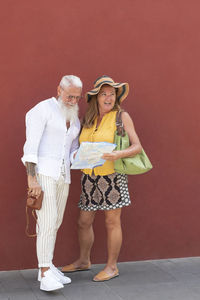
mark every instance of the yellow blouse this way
{"type": "Point", "coordinates": [104, 133]}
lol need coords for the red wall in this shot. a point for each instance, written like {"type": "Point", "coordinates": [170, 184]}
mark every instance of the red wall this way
{"type": "Point", "coordinates": [152, 44]}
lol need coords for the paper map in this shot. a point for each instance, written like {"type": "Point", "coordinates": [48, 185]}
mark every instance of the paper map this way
{"type": "Point", "coordinates": [89, 155]}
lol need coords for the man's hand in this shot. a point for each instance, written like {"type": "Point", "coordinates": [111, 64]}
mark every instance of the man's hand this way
{"type": "Point", "coordinates": [33, 186]}
{"type": "Point", "coordinates": [111, 156]}
{"type": "Point", "coordinates": [75, 155]}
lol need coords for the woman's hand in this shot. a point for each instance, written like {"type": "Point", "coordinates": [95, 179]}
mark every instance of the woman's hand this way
{"type": "Point", "coordinates": [112, 156]}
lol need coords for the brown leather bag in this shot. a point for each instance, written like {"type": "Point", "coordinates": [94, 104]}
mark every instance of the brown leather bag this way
{"type": "Point", "coordinates": [34, 203]}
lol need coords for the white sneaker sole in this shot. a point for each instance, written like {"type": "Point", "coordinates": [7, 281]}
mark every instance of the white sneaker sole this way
{"type": "Point", "coordinates": [50, 290]}
{"type": "Point", "coordinates": [59, 279]}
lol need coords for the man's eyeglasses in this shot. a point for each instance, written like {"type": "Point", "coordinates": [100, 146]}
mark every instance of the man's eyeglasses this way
{"type": "Point", "coordinates": [71, 97]}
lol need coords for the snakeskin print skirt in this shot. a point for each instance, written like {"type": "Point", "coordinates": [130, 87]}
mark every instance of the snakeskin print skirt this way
{"type": "Point", "coordinates": [104, 192]}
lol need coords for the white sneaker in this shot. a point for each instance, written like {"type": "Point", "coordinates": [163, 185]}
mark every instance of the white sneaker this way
{"type": "Point", "coordinates": [54, 268]}
{"type": "Point", "coordinates": [61, 277]}
{"type": "Point", "coordinates": [49, 282]}
{"type": "Point", "coordinates": [57, 274]}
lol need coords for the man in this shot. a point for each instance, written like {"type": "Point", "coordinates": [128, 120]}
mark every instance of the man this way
{"type": "Point", "coordinates": [52, 129]}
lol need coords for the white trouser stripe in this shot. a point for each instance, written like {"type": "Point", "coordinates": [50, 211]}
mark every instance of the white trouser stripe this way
{"type": "Point", "coordinates": [50, 217]}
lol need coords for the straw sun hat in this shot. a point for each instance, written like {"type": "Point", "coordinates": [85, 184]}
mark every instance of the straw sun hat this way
{"type": "Point", "coordinates": [122, 88]}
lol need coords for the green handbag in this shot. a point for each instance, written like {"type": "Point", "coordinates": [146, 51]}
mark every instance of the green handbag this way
{"type": "Point", "coordinates": [138, 164]}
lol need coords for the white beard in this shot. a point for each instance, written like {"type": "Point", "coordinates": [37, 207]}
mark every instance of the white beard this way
{"type": "Point", "coordinates": [70, 113]}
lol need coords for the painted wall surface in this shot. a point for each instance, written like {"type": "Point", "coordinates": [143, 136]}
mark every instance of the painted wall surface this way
{"type": "Point", "coordinates": [152, 44]}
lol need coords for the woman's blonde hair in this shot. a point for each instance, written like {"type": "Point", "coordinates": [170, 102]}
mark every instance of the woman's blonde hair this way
{"type": "Point", "coordinates": [92, 111]}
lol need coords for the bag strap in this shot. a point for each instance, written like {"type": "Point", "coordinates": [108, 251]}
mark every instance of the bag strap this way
{"type": "Point", "coordinates": [119, 124]}
{"type": "Point", "coordinates": [27, 222]}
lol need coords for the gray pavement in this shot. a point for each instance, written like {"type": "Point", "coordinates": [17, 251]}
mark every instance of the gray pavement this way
{"type": "Point", "coordinates": [172, 279]}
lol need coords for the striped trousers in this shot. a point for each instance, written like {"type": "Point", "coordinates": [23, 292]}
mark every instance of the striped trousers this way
{"type": "Point", "coordinates": [50, 217]}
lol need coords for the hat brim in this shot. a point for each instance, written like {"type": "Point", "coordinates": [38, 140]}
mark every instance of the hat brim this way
{"type": "Point", "coordinates": [122, 90]}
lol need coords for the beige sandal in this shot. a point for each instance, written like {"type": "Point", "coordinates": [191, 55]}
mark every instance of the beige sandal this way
{"type": "Point", "coordinates": [103, 276]}
{"type": "Point", "coordinates": [71, 268]}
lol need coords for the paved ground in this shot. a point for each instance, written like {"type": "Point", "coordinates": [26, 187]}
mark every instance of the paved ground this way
{"type": "Point", "coordinates": [174, 279]}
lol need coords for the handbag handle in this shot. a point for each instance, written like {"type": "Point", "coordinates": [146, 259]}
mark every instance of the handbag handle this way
{"type": "Point", "coordinates": [33, 203]}
{"type": "Point", "coordinates": [27, 222]}
{"type": "Point", "coordinates": [119, 124]}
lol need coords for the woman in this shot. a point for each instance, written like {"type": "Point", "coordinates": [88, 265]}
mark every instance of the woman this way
{"type": "Point", "coordinates": [102, 186]}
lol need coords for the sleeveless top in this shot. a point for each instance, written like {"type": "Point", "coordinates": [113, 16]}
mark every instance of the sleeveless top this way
{"type": "Point", "coordinates": [104, 133]}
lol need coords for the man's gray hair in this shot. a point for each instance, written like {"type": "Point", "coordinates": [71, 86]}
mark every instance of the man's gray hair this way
{"type": "Point", "coordinates": [68, 80]}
